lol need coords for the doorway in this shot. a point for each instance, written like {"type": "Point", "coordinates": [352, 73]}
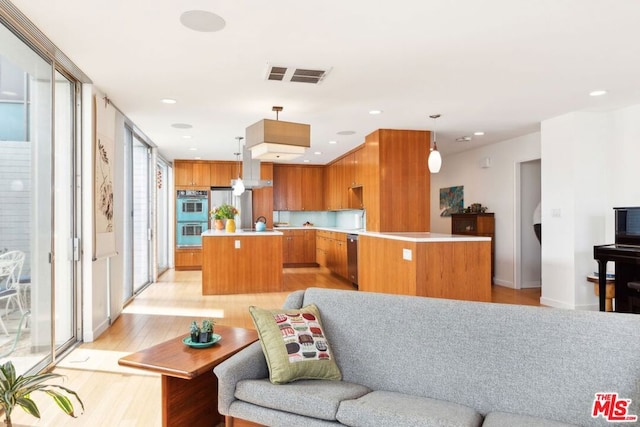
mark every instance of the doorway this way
{"type": "Point", "coordinates": [528, 249]}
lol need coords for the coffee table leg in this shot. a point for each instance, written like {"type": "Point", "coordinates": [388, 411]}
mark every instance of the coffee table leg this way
{"type": "Point", "coordinates": [192, 403]}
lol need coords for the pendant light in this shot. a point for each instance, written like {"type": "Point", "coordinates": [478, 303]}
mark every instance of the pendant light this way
{"type": "Point", "coordinates": [238, 185]}
{"type": "Point", "coordinates": [435, 159]}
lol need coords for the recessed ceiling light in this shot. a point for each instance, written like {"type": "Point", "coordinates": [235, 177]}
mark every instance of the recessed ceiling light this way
{"type": "Point", "coordinates": [375, 112]}
{"type": "Point", "coordinates": [317, 153]}
{"type": "Point", "coordinates": [306, 161]}
{"type": "Point", "coordinates": [346, 132]}
{"type": "Point", "coordinates": [598, 93]}
{"type": "Point", "coordinates": [203, 21]}
{"type": "Point", "coordinates": [463, 139]}
{"type": "Point", "coordinates": [181, 126]}
{"type": "Point", "coordinates": [186, 136]}
{"type": "Point", "coordinates": [193, 149]}
{"type": "Point", "coordinates": [169, 101]}
{"type": "Point", "coordinates": [197, 158]}
{"type": "Point", "coordinates": [479, 133]}
{"type": "Point", "coordinates": [333, 142]}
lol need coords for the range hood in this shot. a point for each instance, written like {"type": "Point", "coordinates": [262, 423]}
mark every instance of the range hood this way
{"type": "Point", "coordinates": [277, 140]}
{"type": "Point", "coordinates": [251, 172]}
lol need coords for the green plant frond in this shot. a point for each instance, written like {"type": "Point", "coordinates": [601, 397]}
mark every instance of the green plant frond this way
{"type": "Point", "coordinates": [7, 373]}
{"type": "Point", "coordinates": [62, 401]}
{"type": "Point", "coordinates": [54, 393]}
{"type": "Point", "coordinates": [16, 391]}
{"type": "Point", "coordinates": [29, 406]}
{"type": "Point", "coordinates": [33, 380]}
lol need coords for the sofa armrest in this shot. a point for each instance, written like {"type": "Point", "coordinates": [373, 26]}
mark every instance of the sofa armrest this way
{"type": "Point", "coordinates": [248, 363]}
{"type": "Point", "coordinates": [294, 300]}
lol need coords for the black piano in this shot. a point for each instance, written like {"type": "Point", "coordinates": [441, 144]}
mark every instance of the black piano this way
{"type": "Point", "coordinates": [625, 252]}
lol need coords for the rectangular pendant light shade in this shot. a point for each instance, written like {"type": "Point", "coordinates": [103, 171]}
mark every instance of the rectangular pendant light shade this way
{"type": "Point", "coordinates": [277, 140]}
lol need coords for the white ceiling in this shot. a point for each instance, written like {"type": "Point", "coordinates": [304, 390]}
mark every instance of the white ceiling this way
{"type": "Point", "coordinates": [498, 66]}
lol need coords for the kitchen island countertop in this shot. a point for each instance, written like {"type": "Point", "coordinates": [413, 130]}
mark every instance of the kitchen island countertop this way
{"type": "Point", "coordinates": [425, 237]}
{"type": "Point", "coordinates": [223, 233]}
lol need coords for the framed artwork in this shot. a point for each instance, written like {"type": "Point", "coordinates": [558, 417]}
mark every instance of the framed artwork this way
{"type": "Point", "coordinates": [451, 200]}
{"type": "Point", "coordinates": [104, 245]}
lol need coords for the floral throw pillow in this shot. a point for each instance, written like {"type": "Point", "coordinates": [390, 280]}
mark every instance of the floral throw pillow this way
{"type": "Point", "coordinates": [294, 344]}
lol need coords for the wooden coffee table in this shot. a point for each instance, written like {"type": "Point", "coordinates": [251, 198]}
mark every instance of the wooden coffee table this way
{"type": "Point", "coordinates": [189, 386]}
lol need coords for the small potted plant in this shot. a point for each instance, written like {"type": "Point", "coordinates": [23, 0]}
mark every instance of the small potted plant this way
{"type": "Point", "coordinates": [17, 391]}
{"type": "Point", "coordinates": [206, 331]}
{"type": "Point", "coordinates": [195, 332]}
{"type": "Point", "coordinates": [224, 212]}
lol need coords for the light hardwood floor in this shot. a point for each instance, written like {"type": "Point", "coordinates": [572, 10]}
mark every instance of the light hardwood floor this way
{"type": "Point", "coordinates": [114, 396]}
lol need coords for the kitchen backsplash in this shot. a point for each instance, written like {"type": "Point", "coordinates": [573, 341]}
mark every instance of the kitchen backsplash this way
{"type": "Point", "coordinates": [348, 219]}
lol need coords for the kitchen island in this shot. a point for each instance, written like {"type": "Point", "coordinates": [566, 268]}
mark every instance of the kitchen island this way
{"type": "Point", "coordinates": [425, 264]}
{"type": "Point", "coordinates": [241, 262]}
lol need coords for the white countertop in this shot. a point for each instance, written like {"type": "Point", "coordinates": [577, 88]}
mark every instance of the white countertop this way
{"type": "Point", "coordinates": [223, 233]}
{"type": "Point", "coordinates": [426, 237]}
{"type": "Point", "coordinates": [406, 236]}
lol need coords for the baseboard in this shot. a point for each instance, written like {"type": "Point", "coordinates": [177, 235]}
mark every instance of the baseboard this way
{"type": "Point", "coordinates": [505, 283]}
{"type": "Point", "coordinates": [555, 303]}
{"type": "Point", "coordinates": [90, 336]}
{"type": "Point", "coordinates": [533, 284]}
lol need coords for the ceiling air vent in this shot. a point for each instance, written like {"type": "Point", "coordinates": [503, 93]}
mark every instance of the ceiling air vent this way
{"type": "Point", "coordinates": [276, 73]}
{"type": "Point", "coordinates": [299, 75]}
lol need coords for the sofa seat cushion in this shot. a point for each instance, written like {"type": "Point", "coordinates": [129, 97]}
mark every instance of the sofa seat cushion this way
{"type": "Point", "coordinates": [311, 398]}
{"type": "Point", "coordinates": [385, 408]}
{"type": "Point", "coordinates": [503, 419]}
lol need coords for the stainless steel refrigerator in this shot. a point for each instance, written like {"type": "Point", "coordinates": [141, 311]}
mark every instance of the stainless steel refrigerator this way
{"type": "Point", "coordinates": [244, 204]}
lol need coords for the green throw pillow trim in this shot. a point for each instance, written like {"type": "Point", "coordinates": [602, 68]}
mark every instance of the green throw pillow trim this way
{"type": "Point", "coordinates": [294, 344]}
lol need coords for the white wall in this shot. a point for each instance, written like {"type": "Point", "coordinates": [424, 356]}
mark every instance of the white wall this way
{"type": "Point", "coordinates": [494, 187]}
{"type": "Point", "coordinates": [589, 167]}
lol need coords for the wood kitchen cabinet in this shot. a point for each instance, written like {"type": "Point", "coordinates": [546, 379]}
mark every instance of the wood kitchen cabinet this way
{"type": "Point", "coordinates": [188, 259]}
{"type": "Point", "coordinates": [189, 173]}
{"type": "Point", "coordinates": [299, 248]}
{"type": "Point", "coordinates": [297, 188]}
{"type": "Point", "coordinates": [476, 224]}
{"type": "Point", "coordinates": [396, 181]}
{"type": "Point", "coordinates": [331, 251]}
{"type": "Point", "coordinates": [311, 189]}
{"type": "Point", "coordinates": [222, 173]}
{"type": "Point", "coordinates": [344, 179]}
{"type": "Point", "coordinates": [287, 187]}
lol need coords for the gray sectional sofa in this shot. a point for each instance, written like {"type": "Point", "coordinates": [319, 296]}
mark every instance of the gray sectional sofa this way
{"type": "Point", "coordinates": [414, 361]}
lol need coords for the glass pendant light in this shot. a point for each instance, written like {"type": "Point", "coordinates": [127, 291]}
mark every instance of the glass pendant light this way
{"type": "Point", "coordinates": [435, 159]}
{"type": "Point", "coordinates": [238, 186]}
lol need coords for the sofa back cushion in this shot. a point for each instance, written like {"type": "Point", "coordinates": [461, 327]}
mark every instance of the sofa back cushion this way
{"type": "Point", "coordinates": [536, 361]}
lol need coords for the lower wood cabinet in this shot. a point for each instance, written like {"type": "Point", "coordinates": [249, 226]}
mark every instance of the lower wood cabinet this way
{"type": "Point", "coordinates": [476, 224]}
{"type": "Point", "coordinates": [299, 248]}
{"type": "Point", "coordinates": [188, 259]}
{"type": "Point", "coordinates": [331, 251]}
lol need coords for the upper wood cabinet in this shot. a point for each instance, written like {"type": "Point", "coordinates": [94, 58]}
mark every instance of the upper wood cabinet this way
{"type": "Point", "coordinates": [344, 179]}
{"type": "Point", "coordinates": [191, 174]}
{"type": "Point", "coordinates": [297, 188]}
{"type": "Point", "coordinates": [312, 188]}
{"type": "Point", "coordinates": [396, 187]}
{"type": "Point", "coordinates": [222, 173]}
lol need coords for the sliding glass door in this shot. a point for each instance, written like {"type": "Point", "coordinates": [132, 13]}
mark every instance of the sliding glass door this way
{"type": "Point", "coordinates": [37, 206]}
{"type": "Point", "coordinates": [141, 199]}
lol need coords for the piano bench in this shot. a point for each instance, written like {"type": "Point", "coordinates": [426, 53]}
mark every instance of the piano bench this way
{"type": "Point", "coordinates": [634, 300]}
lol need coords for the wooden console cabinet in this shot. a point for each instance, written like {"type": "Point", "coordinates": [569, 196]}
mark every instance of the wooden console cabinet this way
{"type": "Point", "coordinates": [476, 224]}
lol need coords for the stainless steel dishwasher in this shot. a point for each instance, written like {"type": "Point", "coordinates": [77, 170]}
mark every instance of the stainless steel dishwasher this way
{"type": "Point", "coordinates": [352, 258]}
